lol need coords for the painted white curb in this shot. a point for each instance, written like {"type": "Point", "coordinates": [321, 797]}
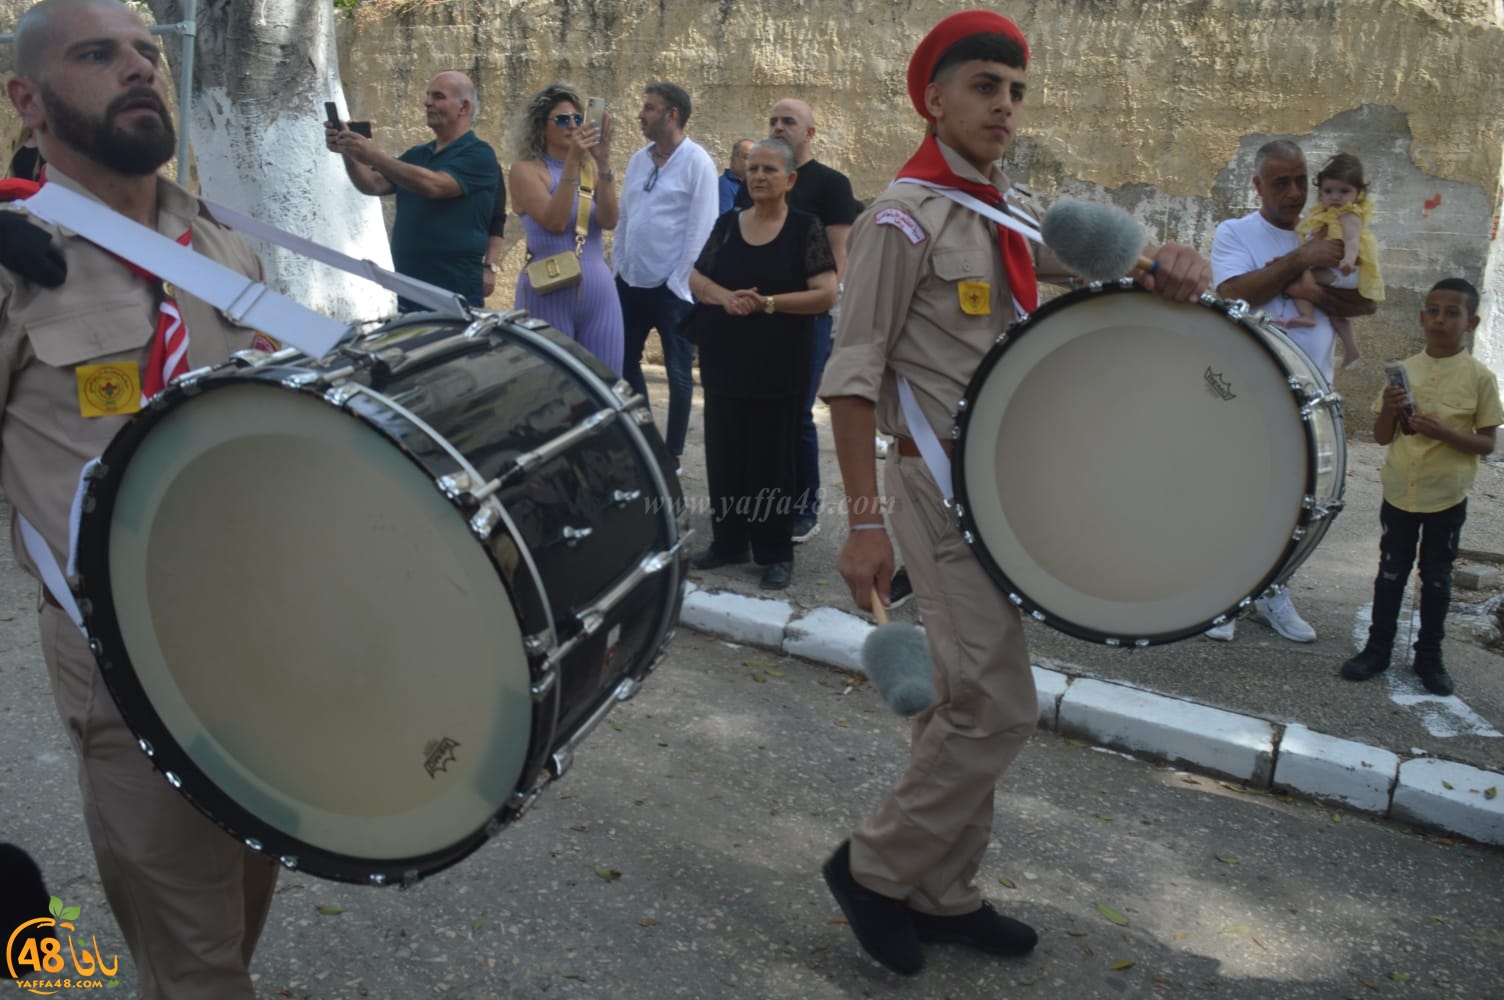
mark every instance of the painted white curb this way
{"type": "Point", "coordinates": [1241, 747]}
{"type": "Point", "coordinates": [738, 618]}
{"type": "Point", "coordinates": [828, 636]}
{"type": "Point", "coordinates": [1423, 796]}
{"type": "Point", "coordinates": [1236, 746]}
{"type": "Point", "coordinates": [1325, 767]}
{"type": "Point", "coordinates": [1050, 686]}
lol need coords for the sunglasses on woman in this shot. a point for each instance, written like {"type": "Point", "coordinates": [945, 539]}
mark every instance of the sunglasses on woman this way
{"type": "Point", "coordinates": [564, 121]}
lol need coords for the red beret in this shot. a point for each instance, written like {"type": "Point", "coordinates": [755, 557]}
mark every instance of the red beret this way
{"type": "Point", "coordinates": [947, 33]}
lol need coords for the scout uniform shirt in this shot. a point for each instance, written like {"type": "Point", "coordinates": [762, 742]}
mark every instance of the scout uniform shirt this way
{"type": "Point", "coordinates": [925, 297]}
{"type": "Point", "coordinates": [1422, 475]}
{"type": "Point", "coordinates": [83, 347]}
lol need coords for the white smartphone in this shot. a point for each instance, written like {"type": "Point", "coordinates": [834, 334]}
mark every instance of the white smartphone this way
{"type": "Point", "coordinates": [595, 110]}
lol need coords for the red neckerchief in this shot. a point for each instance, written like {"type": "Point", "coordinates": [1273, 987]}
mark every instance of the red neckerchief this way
{"type": "Point", "coordinates": [169, 346]}
{"type": "Point", "coordinates": [928, 165]}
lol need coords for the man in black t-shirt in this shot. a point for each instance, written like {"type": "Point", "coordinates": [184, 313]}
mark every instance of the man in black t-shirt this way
{"type": "Point", "coordinates": [825, 193]}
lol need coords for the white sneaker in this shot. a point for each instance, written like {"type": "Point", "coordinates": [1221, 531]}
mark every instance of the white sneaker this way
{"type": "Point", "coordinates": [1279, 614]}
{"type": "Point", "coordinates": [881, 446]}
{"type": "Point", "coordinates": [1223, 632]}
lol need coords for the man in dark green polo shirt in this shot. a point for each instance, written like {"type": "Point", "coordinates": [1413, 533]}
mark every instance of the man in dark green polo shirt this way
{"type": "Point", "coordinates": [445, 190]}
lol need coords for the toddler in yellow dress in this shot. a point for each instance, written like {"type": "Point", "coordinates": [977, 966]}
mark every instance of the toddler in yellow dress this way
{"type": "Point", "coordinates": [1343, 214]}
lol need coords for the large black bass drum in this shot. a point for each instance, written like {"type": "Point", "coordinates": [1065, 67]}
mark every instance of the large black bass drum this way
{"type": "Point", "coordinates": [1133, 471]}
{"type": "Point", "coordinates": [362, 609]}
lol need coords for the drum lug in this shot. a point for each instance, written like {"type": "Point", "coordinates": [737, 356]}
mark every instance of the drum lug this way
{"type": "Point", "coordinates": [546, 680]}
{"type": "Point", "coordinates": [289, 862]}
{"type": "Point", "coordinates": [301, 380]}
{"type": "Point", "coordinates": [621, 498]}
{"type": "Point", "coordinates": [572, 536]}
{"type": "Point", "coordinates": [540, 644]}
{"type": "Point", "coordinates": [622, 391]}
{"type": "Point", "coordinates": [643, 416]}
{"type": "Point", "coordinates": [188, 381]}
{"type": "Point", "coordinates": [1236, 309]}
{"type": "Point", "coordinates": [483, 522]}
{"type": "Point", "coordinates": [342, 394]}
{"type": "Point", "coordinates": [146, 748]}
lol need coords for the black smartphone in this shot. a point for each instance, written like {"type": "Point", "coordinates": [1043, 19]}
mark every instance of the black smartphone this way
{"type": "Point", "coordinates": [331, 115]}
{"type": "Point", "coordinates": [360, 128]}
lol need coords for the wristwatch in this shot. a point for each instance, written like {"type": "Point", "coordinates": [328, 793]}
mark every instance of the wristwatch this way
{"type": "Point", "coordinates": [769, 306]}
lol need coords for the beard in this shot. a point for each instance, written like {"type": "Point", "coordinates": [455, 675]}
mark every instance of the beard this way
{"type": "Point", "coordinates": [134, 150]}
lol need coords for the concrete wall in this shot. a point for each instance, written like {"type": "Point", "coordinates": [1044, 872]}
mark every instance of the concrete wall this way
{"type": "Point", "coordinates": [1156, 105]}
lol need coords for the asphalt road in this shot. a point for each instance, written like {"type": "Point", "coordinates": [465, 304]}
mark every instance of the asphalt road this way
{"type": "Point", "coordinates": [680, 858]}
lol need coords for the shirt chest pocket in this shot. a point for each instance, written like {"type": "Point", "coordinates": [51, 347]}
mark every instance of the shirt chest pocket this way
{"type": "Point", "coordinates": [1456, 404]}
{"type": "Point", "coordinates": [961, 265]}
{"type": "Point", "coordinates": [99, 332]}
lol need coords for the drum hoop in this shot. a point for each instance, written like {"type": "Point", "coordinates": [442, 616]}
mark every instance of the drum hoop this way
{"type": "Point", "coordinates": [969, 527]}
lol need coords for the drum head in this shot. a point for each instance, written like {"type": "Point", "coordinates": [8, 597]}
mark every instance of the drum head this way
{"type": "Point", "coordinates": [1130, 469]}
{"type": "Point", "coordinates": [314, 644]}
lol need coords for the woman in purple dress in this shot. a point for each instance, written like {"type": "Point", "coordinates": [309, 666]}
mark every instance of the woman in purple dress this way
{"type": "Point", "coordinates": [545, 184]}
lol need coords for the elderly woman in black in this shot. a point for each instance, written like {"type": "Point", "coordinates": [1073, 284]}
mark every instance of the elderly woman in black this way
{"type": "Point", "coordinates": [764, 274]}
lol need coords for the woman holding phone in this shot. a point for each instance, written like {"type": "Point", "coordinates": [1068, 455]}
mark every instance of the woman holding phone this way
{"type": "Point", "coordinates": [558, 153]}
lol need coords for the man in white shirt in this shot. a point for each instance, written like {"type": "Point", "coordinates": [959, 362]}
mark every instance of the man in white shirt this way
{"type": "Point", "coordinates": [669, 200]}
{"type": "Point", "coordinates": [1260, 259]}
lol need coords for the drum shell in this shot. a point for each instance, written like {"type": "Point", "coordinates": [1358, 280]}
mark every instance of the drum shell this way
{"type": "Point", "coordinates": [460, 406]}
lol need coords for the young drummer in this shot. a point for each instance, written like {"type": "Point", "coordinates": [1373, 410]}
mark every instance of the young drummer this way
{"type": "Point", "coordinates": [929, 285]}
{"type": "Point", "coordinates": [1435, 435]}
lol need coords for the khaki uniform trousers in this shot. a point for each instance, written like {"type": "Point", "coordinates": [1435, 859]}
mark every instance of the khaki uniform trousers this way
{"type": "Point", "coordinates": [926, 842]}
{"type": "Point", "coordinates": [190, 900]}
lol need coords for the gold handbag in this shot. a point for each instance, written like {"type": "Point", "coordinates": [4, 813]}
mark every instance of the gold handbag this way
{"type": "Point", "coordinates": [559, 271]}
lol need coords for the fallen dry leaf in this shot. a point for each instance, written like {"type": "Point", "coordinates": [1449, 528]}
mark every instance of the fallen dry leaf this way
{"type": "Point", "coordinates": [1120, 966]}
{"type": "Point", "coordinates": [1113, 916]}
{"type": "Point", "coordinates": [609, 874]}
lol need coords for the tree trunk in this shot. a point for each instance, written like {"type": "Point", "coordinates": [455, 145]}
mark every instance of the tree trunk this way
{"type": "Point", "coordinates": [263, 70]}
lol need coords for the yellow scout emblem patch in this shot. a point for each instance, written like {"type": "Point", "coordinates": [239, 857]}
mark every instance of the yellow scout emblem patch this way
{"type": "Point", "coordinates": [976, 297]}
{"type": "Point", "coordinates": [111, 390]}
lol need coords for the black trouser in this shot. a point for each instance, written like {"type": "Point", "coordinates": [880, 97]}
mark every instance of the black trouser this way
{"type": "Point", "coordinates": [1439, 535]}
{"type": "Point", "coordinates": [750, 451]}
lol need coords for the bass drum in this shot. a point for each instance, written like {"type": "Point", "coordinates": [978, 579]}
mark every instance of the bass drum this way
{"type": "Point", "coordinates": [360, 610]}
{"type": "Point", "coordinates": [1133, 472]}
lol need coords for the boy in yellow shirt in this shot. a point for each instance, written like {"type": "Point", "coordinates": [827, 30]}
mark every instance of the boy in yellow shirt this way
{"type": "Point", "coordinates": [1435, 435]}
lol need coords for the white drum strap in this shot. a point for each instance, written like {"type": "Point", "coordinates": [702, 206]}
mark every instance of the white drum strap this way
{"type": "Point", "coordinates": [924, 436]}
{"type": "Point", "coordinates": [40, 552]}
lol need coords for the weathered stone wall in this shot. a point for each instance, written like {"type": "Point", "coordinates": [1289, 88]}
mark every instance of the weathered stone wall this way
{"type": "Point", "coordinates": [1157, 105]}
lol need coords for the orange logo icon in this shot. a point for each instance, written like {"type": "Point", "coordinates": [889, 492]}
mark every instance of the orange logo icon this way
{"type": "Point", "coordinates": [37, 964]}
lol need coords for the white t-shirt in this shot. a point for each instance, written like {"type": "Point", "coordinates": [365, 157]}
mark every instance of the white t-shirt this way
{"type": "Point", "coordinates": [662, 231]}
{"type": "Point", "coordinates": [1247, 244]}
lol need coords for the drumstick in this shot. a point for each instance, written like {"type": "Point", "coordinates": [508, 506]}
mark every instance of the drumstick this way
{"type": "Point", "coordinates": [1096, 242]}
{"type": "Point", "coordinates": [896, 658]}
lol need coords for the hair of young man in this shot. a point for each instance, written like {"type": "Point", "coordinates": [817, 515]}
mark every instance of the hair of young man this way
{"type": "Point", "coordinates": [1344, 167]}
{"type": "Point", "coordinates": [986, 48]}
{"type": "Point", "coordinates": [530, 140]}
{"type": "Point", "coordinates": [784, 150]}
{"type": "Point", "coordinates": [1469, 293]}
{"type": "Point", "coordinates": [1277, 149]}
{"type": "Point", "coordinates": [34, 30]}
{"type": "Point", "coordinates": [673, 96]}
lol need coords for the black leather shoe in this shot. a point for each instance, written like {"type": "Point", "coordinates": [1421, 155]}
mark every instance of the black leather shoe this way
{"type": "Point", "coordinates": [1433, 675]}
{"type": "Point", "coordinates": [777, 576]}
{"type": "Point", "coordinates": [883, 926]}
{"type": "Point", "coordinates": [984, 929]}
{"type": "Point", "coordinates": [711, 559]}
{"type": "Point", "coordinates": [1373, 660]}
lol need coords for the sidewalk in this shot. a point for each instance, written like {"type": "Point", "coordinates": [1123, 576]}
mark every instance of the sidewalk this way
{"type": "Point", "coordinates": [1259, 710]}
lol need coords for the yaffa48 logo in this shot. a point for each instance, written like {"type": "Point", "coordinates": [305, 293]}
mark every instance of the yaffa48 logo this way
{"type": "Point", "coordinates": [37, 963]}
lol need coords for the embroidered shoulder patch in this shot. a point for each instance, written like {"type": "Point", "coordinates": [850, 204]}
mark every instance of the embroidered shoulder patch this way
{"type": "Point", "coordinates": [903, 222]}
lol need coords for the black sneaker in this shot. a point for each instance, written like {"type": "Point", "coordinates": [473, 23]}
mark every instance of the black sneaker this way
{"type": "Point", "coordinates": [806, 526]}
{"type": "Point", "coordinates": [900, 591]}
{"type": "Point", "coordinates": [1370, 662]}
{"type": "Point", "coordinates": [883, 926]}
{"type": "Point", "coordinates": [776, 576]}
{"type": "Point", "coordinates": [984, 929]}
{"type": "Point", "coordinates": [1433, 675]}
